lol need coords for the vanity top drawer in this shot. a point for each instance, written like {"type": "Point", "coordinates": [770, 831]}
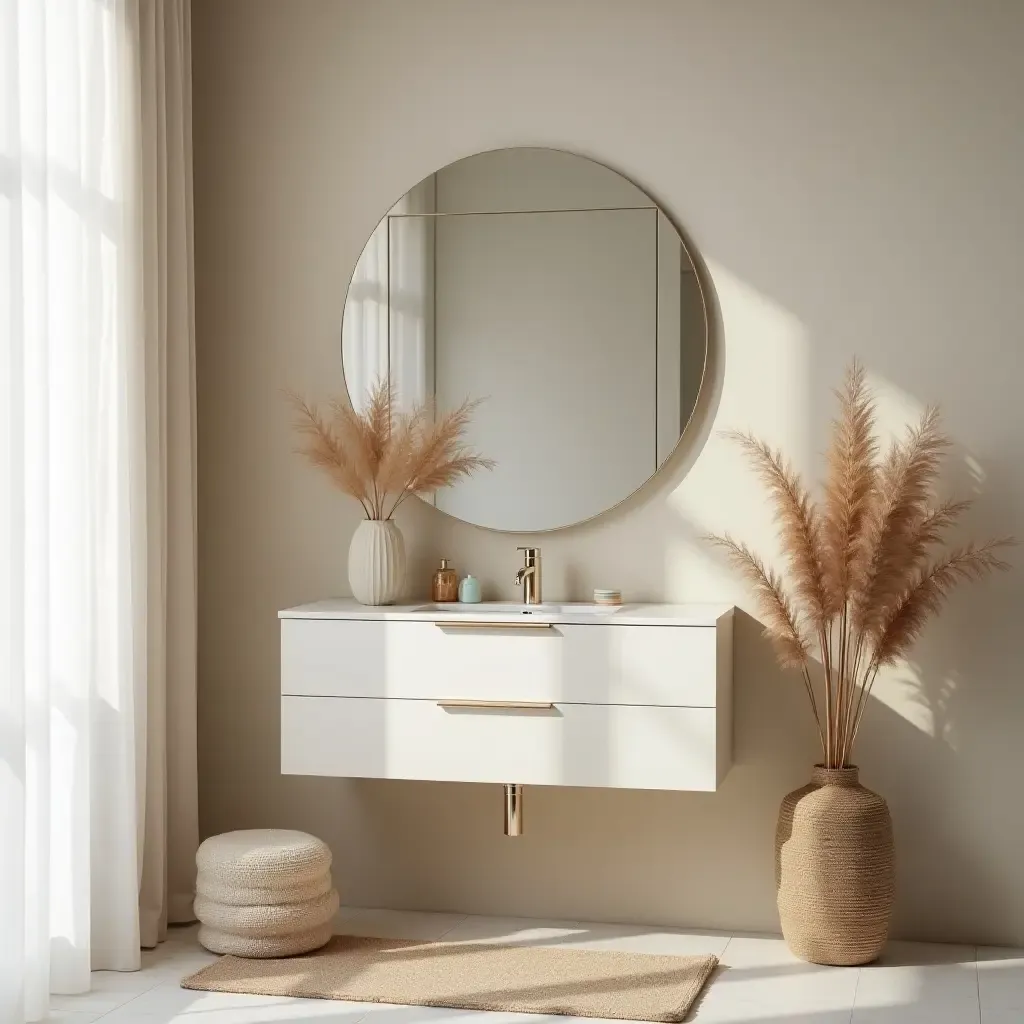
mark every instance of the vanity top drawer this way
{"type": "Point", "coordinates": [677, 666]}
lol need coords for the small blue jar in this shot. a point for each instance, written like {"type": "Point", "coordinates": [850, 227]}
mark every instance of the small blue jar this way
{"type": "Point", "coordinates": [469, 590]}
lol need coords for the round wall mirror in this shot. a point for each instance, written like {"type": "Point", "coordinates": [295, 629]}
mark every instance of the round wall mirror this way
{"type": "Point", "coordinates": [556, 291]}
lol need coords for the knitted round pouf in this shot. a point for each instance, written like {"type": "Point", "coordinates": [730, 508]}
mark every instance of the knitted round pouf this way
{"type": "Point", "coordinates": [264, 893]}
{"type": "Point", "coordinates": [269, 921]}
{"type": "Point", "coordinates": [264, 857]}
{"type": "Point", "coordinates": [254, 948]}
{"type": "Point", "coordinates": [251, 896]}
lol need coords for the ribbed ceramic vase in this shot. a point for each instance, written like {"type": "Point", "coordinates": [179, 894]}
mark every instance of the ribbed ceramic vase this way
{"type": "Point", "coordinates": [376, 562]}
{"type": "Point", "coordinates": [834, 869]}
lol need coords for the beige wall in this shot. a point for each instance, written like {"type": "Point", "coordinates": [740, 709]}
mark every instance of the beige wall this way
{"type": "Point", "coordinates": [851, 173]}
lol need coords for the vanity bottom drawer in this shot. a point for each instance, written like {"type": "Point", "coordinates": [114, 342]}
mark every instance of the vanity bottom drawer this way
{"type": "Point", "coordinates": [627, 746]}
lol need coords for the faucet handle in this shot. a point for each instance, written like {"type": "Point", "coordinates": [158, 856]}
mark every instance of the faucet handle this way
{"type": "Point", "coordinates": [529, 553]}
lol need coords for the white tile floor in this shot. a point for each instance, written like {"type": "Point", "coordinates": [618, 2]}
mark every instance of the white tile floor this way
{"type": "Point", "coordinates": [759, 981]}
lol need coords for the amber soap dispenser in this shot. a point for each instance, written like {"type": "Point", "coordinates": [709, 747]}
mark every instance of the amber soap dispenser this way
{"type": "Point", "coordinates": [445, 586]}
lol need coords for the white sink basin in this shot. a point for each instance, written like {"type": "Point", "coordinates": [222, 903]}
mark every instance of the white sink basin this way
{"type": "Point", "coordinates": [515, 609]}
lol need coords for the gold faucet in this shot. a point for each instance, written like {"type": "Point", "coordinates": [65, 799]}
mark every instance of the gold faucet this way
{"type": "Point", "coordinates": [529, 576]}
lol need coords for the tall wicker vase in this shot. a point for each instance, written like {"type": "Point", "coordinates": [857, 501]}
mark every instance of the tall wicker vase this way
{"type": "Point", "coordinates": [834, 869]}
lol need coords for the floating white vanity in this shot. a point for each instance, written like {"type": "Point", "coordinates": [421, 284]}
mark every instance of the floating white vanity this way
{"type": "Point", "coordinates": [638, 697]}
{"type": "Point", "coordinates": [580, 313]}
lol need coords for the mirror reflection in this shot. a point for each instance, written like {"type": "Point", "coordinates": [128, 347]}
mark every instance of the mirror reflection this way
{"type": "Point", "coordinates": [554, 289]}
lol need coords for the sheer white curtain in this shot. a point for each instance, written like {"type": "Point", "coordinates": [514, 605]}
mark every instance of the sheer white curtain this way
{"type": "Point", "coordinates": [97, 490]}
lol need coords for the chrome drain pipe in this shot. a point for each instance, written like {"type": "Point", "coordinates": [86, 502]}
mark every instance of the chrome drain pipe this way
{"type": "Point", "coordinates": [513, 809]}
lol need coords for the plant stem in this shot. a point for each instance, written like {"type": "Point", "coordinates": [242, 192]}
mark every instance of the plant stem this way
{"type": "Point", "coordinates": [862, 704]}
{"type": "Point", "coordinates": [377, 509]}
{"type": "Point", "coordinates": [398, 501]}
{"type": "Point", "coordinates": [826, 651]}
{"type": "Point", "coordinates": [843, 682]}
{"type": "Point", "coordinates": [814, 706]}
{"type": "Point", "coordinates": [857, 654]}
{"type": "Point", "coordinates": [869, 677]}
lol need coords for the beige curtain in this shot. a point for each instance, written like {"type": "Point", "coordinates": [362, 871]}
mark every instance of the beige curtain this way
{"type": "Point", "coordinates": [161, 148]}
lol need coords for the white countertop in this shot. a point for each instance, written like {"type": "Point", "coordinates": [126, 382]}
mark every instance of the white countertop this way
{"type": "Point", "coordinates": [507, 611]}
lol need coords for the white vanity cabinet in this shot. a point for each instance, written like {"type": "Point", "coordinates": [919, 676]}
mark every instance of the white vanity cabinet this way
{"type": "Point", "coordinates": [638, 698]}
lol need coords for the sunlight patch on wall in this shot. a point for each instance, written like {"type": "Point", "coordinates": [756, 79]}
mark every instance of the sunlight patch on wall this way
{"type": "Point", "coordinates": [896, 409]}
{"type": "Point", "coordinates": [765, 351]}
{"type": "Point", "coordinates": [962, 474]}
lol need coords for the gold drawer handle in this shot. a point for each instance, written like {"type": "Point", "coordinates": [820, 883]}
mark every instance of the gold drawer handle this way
{"type": "Point", "coordinates": [464, 624]}
{"type": "Point", "coordinates": [510, 705]}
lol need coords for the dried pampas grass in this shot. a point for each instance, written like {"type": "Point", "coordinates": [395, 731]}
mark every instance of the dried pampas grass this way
{"type": "Point", "coordinates": [863, 581]}
{"type": "Point", "coordinates": [379, 457]}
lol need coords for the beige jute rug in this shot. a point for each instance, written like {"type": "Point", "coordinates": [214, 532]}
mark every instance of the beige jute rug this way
{"type": "Point", "coordinates": [474, 976]}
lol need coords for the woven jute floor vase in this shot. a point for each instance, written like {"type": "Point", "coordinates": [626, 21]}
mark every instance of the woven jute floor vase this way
{"type": "Point", "coordinates": [834, 869]}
